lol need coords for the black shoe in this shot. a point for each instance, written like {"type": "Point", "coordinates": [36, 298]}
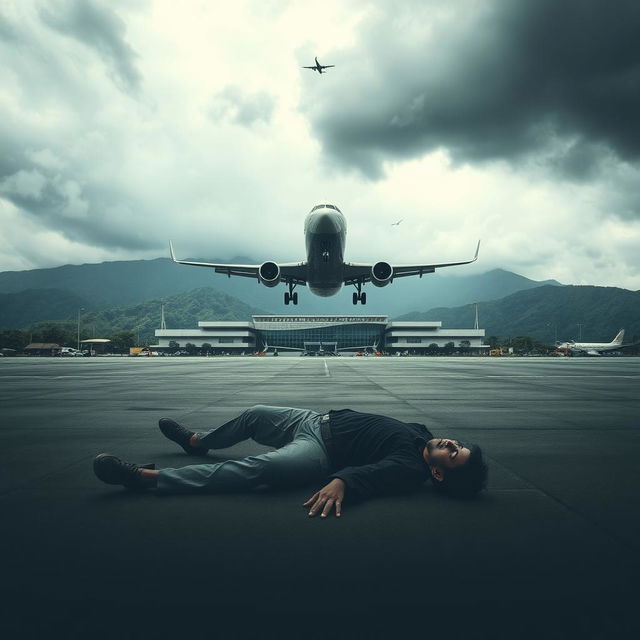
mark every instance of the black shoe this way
{"type": "Point", "coordinates": [172, 430]}
{"type": "Point", "coordinates": [112, 470]}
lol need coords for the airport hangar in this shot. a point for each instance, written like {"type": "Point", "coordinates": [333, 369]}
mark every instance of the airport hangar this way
{"type": "Point", "coordinates": [327, 334]}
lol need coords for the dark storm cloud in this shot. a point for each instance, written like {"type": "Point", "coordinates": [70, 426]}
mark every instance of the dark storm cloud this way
{"type": "Point", "coordinates": [240, 107]}
{"type": "Point", "coordinates": [7, 31]}
{"type": "Point", "coordinates": [91, 215]}
{"type": "Point", "coordinates": [59, 196]}
{"type": "Point", "coordinates": [101, 29]}
{"type": "Point", "coordinates": [495, 80]}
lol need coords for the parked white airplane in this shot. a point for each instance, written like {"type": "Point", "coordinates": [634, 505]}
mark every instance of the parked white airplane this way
{"type": "Point", "coordinates": [594, 348]}
{"type": "Point", "coordinates": [324, 270]}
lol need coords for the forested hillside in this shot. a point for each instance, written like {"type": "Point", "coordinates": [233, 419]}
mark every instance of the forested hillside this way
{"type": "Point", "coordinates": [593, 313]}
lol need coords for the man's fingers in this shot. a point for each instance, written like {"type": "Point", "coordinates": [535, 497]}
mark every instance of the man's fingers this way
{"type": "Point", "coordinates": [311, 499]}
{"type": "Point", "coordinates": [327, 508]}
{"type": "Point", "coordinates": [317, 505]}
{"type": "Point", "coordinates": [326, 499]}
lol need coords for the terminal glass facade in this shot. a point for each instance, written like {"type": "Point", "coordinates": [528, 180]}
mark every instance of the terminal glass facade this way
{"type": "Point", "coordinates": [345, 332]}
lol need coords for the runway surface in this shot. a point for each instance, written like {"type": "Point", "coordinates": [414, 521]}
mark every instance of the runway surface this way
{"type": "Point", "coordinates": [553, 548]}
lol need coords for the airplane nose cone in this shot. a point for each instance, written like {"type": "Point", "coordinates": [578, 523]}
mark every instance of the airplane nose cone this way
{"type": "Point", "coordinates": [325, 223]}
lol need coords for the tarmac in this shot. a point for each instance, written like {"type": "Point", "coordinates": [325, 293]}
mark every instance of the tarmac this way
{"type": "Point", "coordinates": [551, 550]}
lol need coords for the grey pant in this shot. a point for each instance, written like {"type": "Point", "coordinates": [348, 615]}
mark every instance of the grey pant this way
{"type": "Point", "coordinates": [300, 456]}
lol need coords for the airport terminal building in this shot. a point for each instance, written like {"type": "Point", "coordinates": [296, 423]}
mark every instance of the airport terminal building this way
{"type": "Point", "coordinates": [326, 334]}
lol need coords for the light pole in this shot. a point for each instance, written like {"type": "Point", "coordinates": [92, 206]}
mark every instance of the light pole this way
{"type": "Point", "coordinates": [555, 331]}
{"type": "Point", "coordinates": [580, 332]}
{"type": "Point", "coordinates": [79, 310]}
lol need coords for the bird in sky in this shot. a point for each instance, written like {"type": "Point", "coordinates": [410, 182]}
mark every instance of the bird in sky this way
{"type": "Point", "coordinates": [395, 224]}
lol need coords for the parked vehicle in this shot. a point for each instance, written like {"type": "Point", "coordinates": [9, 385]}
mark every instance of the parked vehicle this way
{"type": "Point", "coordinates": [69, 351]}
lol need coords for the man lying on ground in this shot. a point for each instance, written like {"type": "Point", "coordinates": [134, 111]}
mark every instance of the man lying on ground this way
{"type": "Point", "coordinates": [362, 455]}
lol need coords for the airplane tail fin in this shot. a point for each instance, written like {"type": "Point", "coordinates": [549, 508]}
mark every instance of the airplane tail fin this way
{"type": "Point", "coordinates": [619, 338]}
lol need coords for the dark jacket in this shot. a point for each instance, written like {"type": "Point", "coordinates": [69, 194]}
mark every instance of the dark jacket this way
{"type": "Point", "coordinates": [374, 454]}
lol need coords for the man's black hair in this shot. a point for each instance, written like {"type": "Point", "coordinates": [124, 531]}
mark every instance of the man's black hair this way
{"type": "Point", "coordinates": [468, 480]}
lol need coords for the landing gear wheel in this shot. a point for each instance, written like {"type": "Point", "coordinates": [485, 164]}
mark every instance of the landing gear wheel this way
{"type": "Point", "coordinates": [290, 296]}
{"type": "Point", "coordinates": [355, 298]}
{"type": "Point", "coordinates": [363, 298]}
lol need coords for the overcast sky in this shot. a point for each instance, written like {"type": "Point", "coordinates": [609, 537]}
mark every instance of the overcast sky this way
{"type": "Point", "coordinates": [126, 123]}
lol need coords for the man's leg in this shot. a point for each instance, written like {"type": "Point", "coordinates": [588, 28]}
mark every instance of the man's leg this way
{"type": "Point", "coordinates": [296, 462]}
{"type": "Point", "coordinates": [271, 426]}
{"type": "Point", "coordinates": [299, 462]}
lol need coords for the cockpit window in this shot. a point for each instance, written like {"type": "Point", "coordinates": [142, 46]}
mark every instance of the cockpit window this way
{"type": "Point", "coordinates": [326, 206]}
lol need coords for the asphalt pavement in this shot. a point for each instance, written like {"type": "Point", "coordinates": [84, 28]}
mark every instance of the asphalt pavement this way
{"type": "Point", "coordinates": [551, 550]}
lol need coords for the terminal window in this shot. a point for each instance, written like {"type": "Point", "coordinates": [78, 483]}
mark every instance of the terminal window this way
{"type": "Point", "coordinates": [349, 335]}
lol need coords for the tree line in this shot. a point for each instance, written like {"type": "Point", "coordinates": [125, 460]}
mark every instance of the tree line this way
{"type": "Point", "coordinates": [65, 334]}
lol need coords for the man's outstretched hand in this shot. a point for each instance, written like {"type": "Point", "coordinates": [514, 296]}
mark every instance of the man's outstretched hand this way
{"type": "Point", "coordinates": [324, 500]}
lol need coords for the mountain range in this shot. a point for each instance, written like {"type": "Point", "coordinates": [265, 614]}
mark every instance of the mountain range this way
{"type": "Point", "coordinates": [123, 283]}
{"type": "Point", "coordinates": [127, 295]}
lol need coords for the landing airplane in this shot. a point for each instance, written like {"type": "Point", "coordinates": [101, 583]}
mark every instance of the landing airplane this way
{"type": "Point", "coordinates": [594, 348]}
{"type": "Point", "coordinates": [319, 67]}
{"type": "Point", "coordinates": [324, 270]}
{"type": "Point", "coordinates": [396, 224]}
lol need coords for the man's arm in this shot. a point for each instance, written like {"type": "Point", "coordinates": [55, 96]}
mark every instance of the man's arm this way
{"type": "Point", "coordinates": [329, 496]}
{"type": "Point", "coordinates": [387, 477]}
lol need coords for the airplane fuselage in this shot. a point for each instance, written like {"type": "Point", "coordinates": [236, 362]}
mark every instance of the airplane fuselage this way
{"type": "Point", "coordinates": [325, 231]}
{"type": "Point", "coordinates": [592, 346]}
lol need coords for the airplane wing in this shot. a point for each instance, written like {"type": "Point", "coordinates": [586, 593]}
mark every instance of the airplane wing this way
{"type": "Point", "coordinates": [296, 272]}
{"type": "Point", "coordinates": [309, 67]}
{"type": "Point", "coordinates": [327, 66]}
{"type": "Point", "coordinates": [361, 272]}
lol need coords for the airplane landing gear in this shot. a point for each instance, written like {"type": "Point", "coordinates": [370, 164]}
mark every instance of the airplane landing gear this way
{"type": "Point", "coordinates": [291, 296]}
{"type": "Point", "coordinates": [359, 296]}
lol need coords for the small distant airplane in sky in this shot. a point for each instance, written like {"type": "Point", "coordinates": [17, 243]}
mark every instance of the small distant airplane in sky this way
{"type": "Point", "coordinates": [319, 67]}
{"type": "Point", "coordinates": [395, 224]}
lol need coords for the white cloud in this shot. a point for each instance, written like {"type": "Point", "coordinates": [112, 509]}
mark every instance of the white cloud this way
{"type": "Point", "coordinates": [24, 184]}
{"type": "Point", "coordinates": [45, 158]}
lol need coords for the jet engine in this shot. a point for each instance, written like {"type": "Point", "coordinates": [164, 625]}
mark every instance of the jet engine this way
{"type": "Point", "coordinates": [381, 274]}
{"type": "Point", "coordinates": [269, 274]}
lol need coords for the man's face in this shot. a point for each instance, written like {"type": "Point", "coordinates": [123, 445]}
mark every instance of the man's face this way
{"type": "Point", "coordinates": [445, 453]}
